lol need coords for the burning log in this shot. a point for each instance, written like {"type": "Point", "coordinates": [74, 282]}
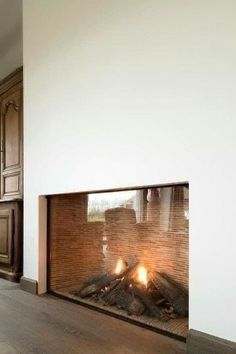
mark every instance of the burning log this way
{"type": "Point", "coordinates": [160, 301]}
{"type": "Point", "coordinates": [147, 300]}
{"type": "Point", "coordinates": [176, 297]}
{"type": "Point", "coordinates": [123, 299]}
{"type": "Point", "coordinates": [130, 289]}
{"type": "Point", "coordinates": [110, 288]}
{"type": "Point", "coordinates": [97, 285]}
{"type": "Point", "coordinates": [136, 307]}
{"type": "Point", "coordinates": [129, 303]}
{"type": "Point", "coordinates": [110, 298]}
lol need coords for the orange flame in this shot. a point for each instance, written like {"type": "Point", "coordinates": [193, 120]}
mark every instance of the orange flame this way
{"type": "Point", "coordinates": [142, 275]}
{"type": "Point", "coordinates": [120, 266]}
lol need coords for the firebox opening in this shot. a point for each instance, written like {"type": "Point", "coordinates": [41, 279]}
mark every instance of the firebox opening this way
{"type": "Point", "coordinates": [124, 252]}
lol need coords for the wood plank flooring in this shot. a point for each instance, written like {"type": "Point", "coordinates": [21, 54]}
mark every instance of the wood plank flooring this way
{"type": "Point", "coordinates": [48, 325]}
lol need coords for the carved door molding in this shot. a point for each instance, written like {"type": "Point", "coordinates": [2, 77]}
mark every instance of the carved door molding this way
{"type": "Point", "coordinates": [11, 144]}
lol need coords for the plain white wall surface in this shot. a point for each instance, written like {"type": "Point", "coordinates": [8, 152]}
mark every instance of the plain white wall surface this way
{"type": "Point", "coordinates": [11, 36]}
{"type": "Point", "coordinates": [133, 92]}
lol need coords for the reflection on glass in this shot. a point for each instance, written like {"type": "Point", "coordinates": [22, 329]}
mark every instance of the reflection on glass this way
{"type": "Point", "coordinates": [99, 202]}
{"type": "Point", "coordinates": [151, 204]}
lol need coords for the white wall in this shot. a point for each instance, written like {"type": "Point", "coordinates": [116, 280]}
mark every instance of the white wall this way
{"type": "Point", "coordinates": [11, 38]}
{"type": "Point", "coordinates": [135, 92]}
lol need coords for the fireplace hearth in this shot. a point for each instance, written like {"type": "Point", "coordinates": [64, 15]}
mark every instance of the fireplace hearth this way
{"type": "Point", "coordinates": [124, 253]}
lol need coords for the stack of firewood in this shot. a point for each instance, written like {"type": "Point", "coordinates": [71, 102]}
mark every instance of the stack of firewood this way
{"type": "Point", "coordinates": [162, 298]}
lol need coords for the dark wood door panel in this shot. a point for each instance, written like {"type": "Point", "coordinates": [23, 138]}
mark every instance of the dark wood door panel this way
{"type": "Point", "coordinates": [11, 172]}
{"type": "Point", "coordinates": [6, 236]}
{"type": "Point", "coordinates": [11, 184]}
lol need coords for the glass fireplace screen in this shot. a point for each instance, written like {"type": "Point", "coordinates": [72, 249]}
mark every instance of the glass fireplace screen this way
{"type": "Point", "coordinates": [125, 252]}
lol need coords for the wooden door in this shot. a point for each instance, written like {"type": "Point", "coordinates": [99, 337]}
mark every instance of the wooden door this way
{"type": "Point", "coordinates": [11, 144]}
{"type": "Point", "coordinates": [6, 236]}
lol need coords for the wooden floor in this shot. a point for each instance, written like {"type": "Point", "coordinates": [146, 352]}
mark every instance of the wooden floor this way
{"type": "Point", "coordinates": [48, 325]}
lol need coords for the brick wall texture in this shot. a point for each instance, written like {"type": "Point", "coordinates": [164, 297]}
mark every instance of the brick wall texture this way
{"type": "Point", "coordinates": [80, 249]}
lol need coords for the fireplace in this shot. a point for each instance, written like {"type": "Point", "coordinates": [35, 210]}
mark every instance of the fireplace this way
{"type": "Point", "coordinates": [124, 253]}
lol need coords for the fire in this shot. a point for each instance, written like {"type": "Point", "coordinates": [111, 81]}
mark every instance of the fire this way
{"type": "Point", "coordinates": [142, 275]}
{"type": "Point", "coordinates": [120, 266]}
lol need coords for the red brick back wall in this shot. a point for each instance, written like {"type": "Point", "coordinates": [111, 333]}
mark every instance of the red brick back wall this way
{"type": "Point", "coordinates": [81, 249]}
